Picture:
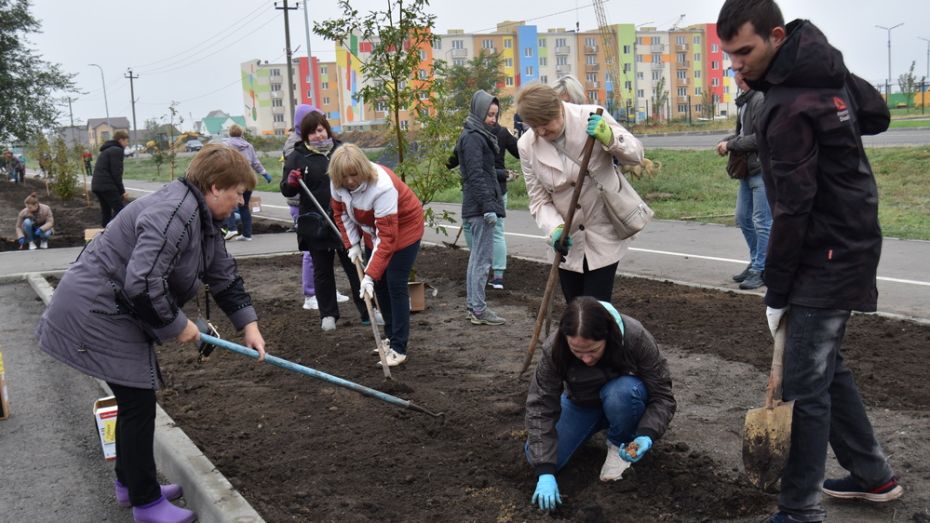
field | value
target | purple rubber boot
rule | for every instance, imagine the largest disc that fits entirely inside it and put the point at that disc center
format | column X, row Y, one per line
column 162, row 511
column 170, row 491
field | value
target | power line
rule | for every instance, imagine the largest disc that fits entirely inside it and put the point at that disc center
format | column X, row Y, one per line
column 574, row 9
column 199, row 58
column 194, row 47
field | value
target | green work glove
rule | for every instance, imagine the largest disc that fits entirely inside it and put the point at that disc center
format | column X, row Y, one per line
column 555, row 238
column 598, row 128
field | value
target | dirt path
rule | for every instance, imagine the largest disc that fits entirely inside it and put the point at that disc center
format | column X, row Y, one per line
column 300, row 449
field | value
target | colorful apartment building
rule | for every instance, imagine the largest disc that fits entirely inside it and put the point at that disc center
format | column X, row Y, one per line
column 688, row 65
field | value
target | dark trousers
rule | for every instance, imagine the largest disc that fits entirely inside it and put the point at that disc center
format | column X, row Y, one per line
column 111, row 202
column 245, row 216
column 597, row 283
column 324, row 281
column 135, row 435
column 394, row 297
column 827, row 409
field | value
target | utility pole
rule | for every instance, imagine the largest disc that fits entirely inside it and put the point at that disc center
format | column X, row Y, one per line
column 311, row 84
column 923, row 83
column 132, row 96
column 888, row 83
column 290, row 72
column 71, row 115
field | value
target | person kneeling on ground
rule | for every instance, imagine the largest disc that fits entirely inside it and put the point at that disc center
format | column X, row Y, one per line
column 600, row 370
column 125, row 293
column 369, row 201
column 34, row 224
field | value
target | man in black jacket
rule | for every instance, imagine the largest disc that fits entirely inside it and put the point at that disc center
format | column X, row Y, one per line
column 824, row 245
column 107, row 182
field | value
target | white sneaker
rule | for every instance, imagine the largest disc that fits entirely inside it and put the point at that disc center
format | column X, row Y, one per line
column 340, row 297
column 44, row 244
column 614, row 465
column 328, row 323
column 394, row 358
column 386, row 343
column 231, row 234
column 32, row 246
column 310, row 303
column 244, row 239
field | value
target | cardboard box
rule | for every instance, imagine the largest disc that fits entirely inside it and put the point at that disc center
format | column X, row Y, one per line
column 90, row 233
column 255, row 204
column 105, row 415
column 417, row 291
column 4, row 396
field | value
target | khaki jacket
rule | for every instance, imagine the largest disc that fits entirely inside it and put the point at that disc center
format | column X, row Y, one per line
column 550, row 179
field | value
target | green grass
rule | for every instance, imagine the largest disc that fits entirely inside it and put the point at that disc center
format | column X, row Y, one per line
column 694, row 185
column 898, row 124
column 144, row 169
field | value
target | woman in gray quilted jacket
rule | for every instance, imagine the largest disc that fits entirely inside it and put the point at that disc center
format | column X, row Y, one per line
column 125, row 293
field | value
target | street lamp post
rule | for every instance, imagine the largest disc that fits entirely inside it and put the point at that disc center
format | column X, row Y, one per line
column 888, row 83
column 106, row 105
column 923, row 84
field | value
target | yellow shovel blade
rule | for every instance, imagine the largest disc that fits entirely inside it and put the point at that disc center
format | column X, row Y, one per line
column 766, row 443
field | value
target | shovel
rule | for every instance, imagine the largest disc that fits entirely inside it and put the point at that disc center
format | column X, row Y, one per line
column 767, row 431
column 313, row 373
column 454, row 243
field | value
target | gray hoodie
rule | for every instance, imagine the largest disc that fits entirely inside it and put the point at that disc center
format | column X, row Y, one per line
column 248, row 151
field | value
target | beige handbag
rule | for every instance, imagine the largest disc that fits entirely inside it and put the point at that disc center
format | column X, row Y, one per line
column 626, row 210
column 628, row 213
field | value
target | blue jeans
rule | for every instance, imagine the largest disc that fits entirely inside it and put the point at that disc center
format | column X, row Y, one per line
column 754, row 218
column 245, row 216
column 33, row 232
column 827, row 409
column 499, row 261
column 479, row 261
column 623, row 401
column 394, row 297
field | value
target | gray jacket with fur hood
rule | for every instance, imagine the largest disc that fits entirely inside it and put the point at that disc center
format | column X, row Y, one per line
column 126, row 290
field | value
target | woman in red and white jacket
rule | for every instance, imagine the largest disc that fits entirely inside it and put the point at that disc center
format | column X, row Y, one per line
column 369, row 201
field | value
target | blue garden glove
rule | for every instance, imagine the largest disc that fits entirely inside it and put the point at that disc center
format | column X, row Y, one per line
column 490, row 218
column 598, row 128
column 21, row 241
column 555, row 237
column 267, row 177
column 547, row 495
column 635, row 450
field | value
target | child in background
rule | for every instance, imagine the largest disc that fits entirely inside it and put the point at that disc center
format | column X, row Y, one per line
column 34, row 224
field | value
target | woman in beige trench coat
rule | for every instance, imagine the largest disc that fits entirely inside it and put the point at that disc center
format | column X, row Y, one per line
column 550, row 154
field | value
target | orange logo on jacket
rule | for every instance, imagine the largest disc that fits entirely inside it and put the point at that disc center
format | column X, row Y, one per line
column 842, row 112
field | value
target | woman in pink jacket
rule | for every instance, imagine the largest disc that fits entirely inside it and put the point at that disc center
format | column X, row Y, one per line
column 550, row 154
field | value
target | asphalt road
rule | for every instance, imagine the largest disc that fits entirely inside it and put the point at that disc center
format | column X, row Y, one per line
column 891, row 138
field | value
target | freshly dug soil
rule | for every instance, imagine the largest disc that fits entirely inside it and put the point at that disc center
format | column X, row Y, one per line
column 305, row 450
column 71, row 217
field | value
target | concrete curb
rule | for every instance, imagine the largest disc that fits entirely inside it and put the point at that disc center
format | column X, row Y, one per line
column 206, row 491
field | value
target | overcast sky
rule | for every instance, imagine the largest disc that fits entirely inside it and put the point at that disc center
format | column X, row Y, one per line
column 190, row 51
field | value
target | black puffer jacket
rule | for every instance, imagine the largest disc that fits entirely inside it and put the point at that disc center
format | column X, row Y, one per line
column 108, row 171
column 314, row 166
column 825, row 240
column 506, row 143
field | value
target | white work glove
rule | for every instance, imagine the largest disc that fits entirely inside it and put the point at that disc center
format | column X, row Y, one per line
column 774, row 317
column 355, row 253
column 367, row 288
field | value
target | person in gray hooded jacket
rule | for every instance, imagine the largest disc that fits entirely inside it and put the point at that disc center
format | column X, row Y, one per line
column 125, row 292
column 482, row 200
column 236, row 141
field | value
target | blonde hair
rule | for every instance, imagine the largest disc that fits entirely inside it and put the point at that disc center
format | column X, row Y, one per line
column 220, row 165
column 569, row 89
column 235, row 131
column 350, row 159
column 538, row 104
column 32, row 199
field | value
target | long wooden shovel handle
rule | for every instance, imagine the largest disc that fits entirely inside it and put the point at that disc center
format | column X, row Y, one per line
column 566, row 230
column 773, row 391
column 374, row 324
